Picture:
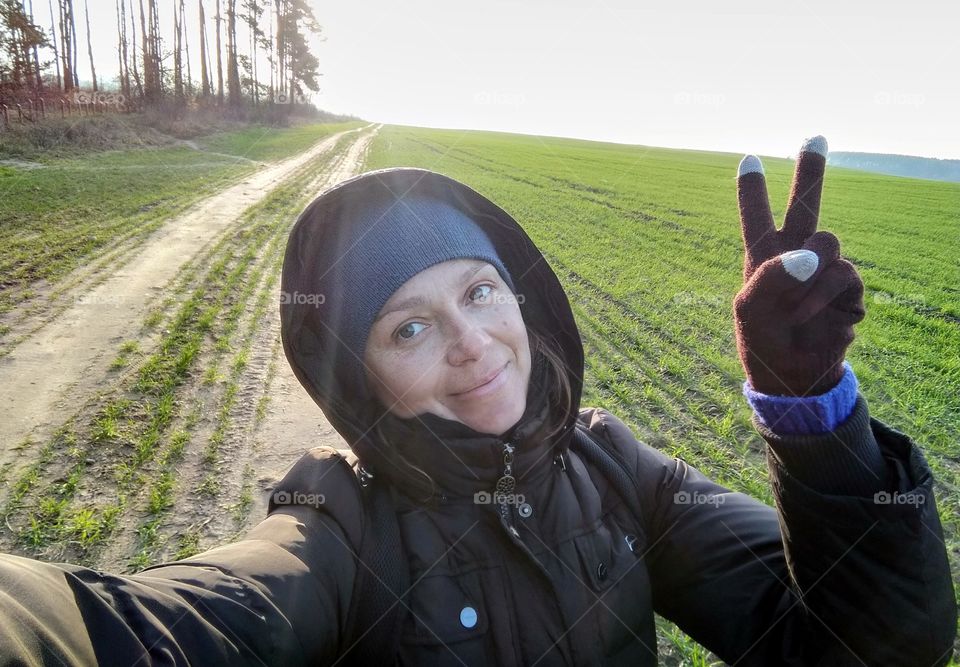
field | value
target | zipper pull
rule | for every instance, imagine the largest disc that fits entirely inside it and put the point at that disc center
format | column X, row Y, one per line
column 507, row 483
column 505, row 486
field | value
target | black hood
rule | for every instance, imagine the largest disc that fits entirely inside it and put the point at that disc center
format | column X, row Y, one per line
column 308, row 329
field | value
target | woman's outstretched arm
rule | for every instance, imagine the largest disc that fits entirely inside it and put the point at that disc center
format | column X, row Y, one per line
column 277, row 597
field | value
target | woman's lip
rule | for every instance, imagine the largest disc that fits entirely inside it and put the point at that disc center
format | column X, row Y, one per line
column 487, row 387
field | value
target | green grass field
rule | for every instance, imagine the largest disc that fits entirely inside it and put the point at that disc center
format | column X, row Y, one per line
column 647, row 243
column 645, row 240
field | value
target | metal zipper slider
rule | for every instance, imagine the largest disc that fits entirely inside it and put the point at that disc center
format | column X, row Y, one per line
column 507, row 483
column 505, row 486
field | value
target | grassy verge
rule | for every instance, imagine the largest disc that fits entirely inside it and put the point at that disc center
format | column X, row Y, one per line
column 62, row 216
column 269, row 143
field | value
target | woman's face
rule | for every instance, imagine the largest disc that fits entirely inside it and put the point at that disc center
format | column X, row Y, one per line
column 447, row 330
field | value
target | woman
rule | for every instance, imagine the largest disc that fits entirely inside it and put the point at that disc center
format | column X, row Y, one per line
column 440, row 344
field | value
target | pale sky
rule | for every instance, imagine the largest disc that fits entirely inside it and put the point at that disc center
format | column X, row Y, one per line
column 740, row 76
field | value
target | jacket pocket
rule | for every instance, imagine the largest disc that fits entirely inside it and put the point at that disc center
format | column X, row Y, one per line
column 604, row 557
column 617, row 576
column 447, row 622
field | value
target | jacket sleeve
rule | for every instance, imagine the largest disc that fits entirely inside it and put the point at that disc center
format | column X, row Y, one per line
column 824, row 579
column 279, row 596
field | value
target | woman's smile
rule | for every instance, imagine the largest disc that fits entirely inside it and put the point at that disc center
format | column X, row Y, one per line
column 486, row 388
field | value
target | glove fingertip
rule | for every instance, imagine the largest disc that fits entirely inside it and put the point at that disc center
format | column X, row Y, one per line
column 817, row 144
column 750, row 164
column 800, row 264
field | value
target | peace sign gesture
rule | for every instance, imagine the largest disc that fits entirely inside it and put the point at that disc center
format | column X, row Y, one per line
column 795, row 313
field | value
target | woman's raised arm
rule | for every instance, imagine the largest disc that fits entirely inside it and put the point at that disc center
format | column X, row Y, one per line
column 824, row 579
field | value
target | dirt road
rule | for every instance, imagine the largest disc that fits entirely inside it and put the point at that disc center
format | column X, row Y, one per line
column 69, row 356
column 66, row 361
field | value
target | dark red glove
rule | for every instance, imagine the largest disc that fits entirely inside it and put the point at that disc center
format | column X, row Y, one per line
column 795, row 313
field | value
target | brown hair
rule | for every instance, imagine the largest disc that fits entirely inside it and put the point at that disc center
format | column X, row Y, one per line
column 558, row 381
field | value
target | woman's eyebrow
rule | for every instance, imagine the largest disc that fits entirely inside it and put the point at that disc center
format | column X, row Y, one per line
column 469, row 272
column 419, row 300
column 400, row 305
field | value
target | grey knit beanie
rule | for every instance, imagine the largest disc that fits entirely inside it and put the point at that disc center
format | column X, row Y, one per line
column 385, row 243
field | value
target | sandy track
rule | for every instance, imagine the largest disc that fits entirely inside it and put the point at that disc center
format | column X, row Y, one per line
column 65, row 361
column 293, row 422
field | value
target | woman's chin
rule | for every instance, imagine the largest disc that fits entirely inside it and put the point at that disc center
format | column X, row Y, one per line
column 493, row 413
column 495, row 419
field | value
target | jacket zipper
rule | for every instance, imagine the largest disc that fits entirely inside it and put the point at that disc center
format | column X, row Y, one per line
column 505, row 487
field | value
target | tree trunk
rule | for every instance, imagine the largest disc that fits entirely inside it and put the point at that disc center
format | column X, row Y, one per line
column 133, row 50
column 219, row 60
column 254, row 32
column 36, row 56
column 66, row 50
column 177, row 46
column 150, row 34
column 120, row 45
column 281, row 49
column 74, row 42
column 56, row 50
column 122, row 48
column 270, row 57
column 147, row 91
column 204, row 77
column 93, row 70
column 233, row 73
column 186, row 49
column 157, row 60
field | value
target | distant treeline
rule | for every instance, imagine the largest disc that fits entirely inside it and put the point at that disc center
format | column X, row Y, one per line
column 38, row 60
column 929, row 168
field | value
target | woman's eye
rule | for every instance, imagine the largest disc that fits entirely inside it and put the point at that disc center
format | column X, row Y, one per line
column 408, row 332
column 407, row 327
column 480, row 287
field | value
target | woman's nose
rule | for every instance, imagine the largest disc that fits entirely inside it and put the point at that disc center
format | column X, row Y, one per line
column 469, row 343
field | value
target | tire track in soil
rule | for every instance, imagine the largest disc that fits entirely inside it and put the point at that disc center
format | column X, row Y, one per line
column 292, row 424
column 67, row 359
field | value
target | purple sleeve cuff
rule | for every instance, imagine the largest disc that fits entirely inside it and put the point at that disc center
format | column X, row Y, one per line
column 791, row 415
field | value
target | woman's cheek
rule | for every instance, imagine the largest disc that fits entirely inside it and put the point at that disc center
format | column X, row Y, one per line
column 424, row 361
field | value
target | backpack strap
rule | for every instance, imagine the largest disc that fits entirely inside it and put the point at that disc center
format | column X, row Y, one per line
column 609, row 462
column 373, row 623
column 382, row 582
